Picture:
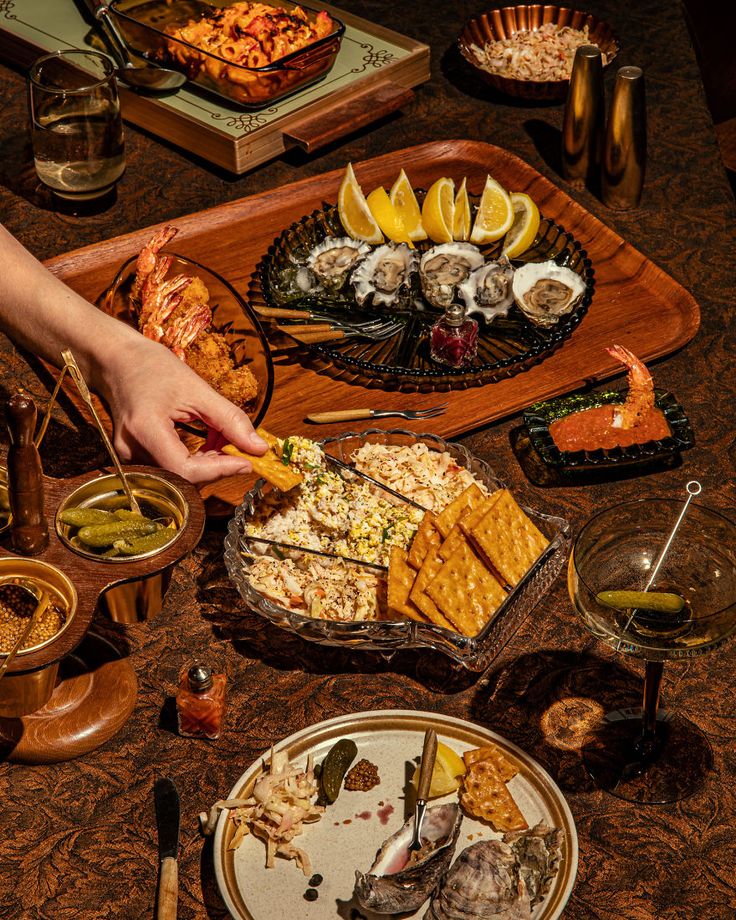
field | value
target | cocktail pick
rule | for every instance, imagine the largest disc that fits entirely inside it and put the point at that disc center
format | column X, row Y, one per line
column 49, row 408
column 692, row 488
column 76, row 375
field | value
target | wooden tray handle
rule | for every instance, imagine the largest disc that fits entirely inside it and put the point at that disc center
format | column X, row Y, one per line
column 331, row 122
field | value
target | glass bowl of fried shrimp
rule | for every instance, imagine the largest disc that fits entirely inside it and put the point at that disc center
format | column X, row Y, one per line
column 229, row 351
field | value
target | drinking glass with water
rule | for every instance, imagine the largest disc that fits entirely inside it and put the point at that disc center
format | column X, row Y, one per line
column 77, row 131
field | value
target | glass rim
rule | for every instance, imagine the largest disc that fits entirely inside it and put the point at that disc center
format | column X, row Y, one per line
column 641, row 501
column 105, row 59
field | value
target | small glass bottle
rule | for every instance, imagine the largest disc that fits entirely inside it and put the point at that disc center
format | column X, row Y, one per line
column 200, row 703
column 454, row 339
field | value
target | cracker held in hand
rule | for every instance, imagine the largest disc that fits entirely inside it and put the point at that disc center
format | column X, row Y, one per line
column 486, row 797
column 508, row 540
column 465, row 502
column 466, row 592
column 425, row 539
column 401, row 578
column 270, row 465
column 492, row 753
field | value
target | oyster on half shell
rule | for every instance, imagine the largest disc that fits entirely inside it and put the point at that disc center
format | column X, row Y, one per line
column 443, row 268
column 332, row 260
column 488, row 290
column 545, row 291
column 383, row 278
column 395, row 883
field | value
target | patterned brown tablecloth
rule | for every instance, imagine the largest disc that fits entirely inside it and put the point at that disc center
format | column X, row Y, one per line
column 78, row 839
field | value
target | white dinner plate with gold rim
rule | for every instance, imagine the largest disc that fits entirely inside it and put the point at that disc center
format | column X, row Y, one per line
column 351, row 831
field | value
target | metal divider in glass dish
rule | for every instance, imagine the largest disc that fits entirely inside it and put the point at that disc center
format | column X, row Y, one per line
column 539, row 417
column 231, row 317
column 506, row 346
column 473, row 652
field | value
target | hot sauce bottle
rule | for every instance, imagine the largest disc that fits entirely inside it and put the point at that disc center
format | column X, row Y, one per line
column 454, row 338
column 200, row 703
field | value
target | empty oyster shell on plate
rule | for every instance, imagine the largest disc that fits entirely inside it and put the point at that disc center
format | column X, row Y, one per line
column 399, row 881
column 488, row 289
column 545, row 291
column 384, row 276
column 443, row 268
column 332, row 260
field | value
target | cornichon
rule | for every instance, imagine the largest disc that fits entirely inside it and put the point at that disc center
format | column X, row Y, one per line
column 335, row 766
column 661, row 601
column 145, row 544
column 107, row 534
column 85, row 517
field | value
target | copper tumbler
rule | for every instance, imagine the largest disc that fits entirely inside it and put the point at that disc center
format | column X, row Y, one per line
column 625, row 151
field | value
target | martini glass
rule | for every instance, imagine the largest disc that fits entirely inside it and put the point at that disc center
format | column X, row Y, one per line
column 647, row 754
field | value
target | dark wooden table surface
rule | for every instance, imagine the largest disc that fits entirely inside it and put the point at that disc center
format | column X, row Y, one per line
column 78, row 839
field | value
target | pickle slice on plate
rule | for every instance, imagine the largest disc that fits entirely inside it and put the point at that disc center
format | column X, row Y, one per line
column 335, row 766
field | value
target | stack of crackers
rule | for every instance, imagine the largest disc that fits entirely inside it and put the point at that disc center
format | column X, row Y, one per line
column 484, row 794
column 463, row 562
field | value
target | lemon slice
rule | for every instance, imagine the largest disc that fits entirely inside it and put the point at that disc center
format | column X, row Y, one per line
column 495, row 214
column 448, row 768
column 354, row 212
column 461, row 221
column 387, row 217
column 524, row 228
column 405, row 201
column 438, row 211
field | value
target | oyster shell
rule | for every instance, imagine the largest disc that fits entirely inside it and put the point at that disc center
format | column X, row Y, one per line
column 392, row 885
column 538, row 852
column 488, row 289
column 294, row 282
column 545, row 291
column 332, row 260
column 442, row 268
column 383, row 278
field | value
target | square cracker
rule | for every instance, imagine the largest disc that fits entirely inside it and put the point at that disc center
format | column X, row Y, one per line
column 505, row 769
column 507, row 539
column 426, row 538
column 464, row 503
column 418, row 596
column 466, row 592
column 401, row 577
column 485, row 796
column 456, row 536
column 270, row 465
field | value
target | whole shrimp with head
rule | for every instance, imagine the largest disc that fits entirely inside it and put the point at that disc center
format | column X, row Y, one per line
column 176, row 311
column 636, row 420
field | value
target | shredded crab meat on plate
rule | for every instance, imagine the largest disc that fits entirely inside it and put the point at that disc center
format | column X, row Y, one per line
column 542, row 54
column 281, row 803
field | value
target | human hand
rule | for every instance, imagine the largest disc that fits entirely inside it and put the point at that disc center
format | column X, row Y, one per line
column 148, row 389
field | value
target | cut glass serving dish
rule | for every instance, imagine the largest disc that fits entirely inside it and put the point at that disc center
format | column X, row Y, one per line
column 539, row 417
column 474, row 652
column 506, row 345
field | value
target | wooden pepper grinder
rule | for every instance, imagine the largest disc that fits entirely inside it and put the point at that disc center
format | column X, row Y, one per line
column 29, row 530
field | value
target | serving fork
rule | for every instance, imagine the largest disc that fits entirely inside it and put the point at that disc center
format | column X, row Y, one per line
column 356, row 415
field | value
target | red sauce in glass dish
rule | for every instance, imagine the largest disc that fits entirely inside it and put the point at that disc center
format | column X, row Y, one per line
column 592, row 429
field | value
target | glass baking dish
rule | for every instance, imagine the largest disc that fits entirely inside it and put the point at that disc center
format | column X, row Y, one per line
column 143, row 24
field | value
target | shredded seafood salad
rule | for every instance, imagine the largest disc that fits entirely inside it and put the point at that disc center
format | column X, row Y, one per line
column 542, row 54
column 333, row 511
column 282, row 802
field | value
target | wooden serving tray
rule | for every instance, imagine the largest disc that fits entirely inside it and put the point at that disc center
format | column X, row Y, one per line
column 635, row 304
column 372, row 77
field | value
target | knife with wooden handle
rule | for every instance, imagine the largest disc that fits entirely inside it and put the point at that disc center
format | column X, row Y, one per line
column 166, row 798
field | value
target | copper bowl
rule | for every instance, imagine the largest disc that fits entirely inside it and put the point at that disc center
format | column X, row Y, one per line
column 507, row 21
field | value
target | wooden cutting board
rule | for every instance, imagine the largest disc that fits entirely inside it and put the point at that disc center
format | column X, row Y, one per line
column 636, row 303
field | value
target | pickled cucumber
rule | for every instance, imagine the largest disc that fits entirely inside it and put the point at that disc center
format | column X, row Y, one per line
column 85, row 517
column 101, row 535
column 335, row 766
column 156, row 540
column 661, row 601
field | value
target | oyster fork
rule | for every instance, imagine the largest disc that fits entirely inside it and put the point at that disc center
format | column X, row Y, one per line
column 356, row 415
column 377, row 330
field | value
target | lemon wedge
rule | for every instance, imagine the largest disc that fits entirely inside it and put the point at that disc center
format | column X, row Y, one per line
column 354, row 212
column 387, row 216
column 405, row 201
column 438, row 211
column 495, row 214
column 524, row 228
column 461, row 221
column 448, row 768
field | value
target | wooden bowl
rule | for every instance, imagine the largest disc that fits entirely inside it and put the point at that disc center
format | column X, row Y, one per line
column 507, row 21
